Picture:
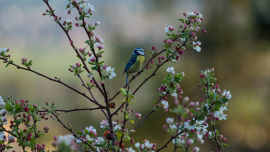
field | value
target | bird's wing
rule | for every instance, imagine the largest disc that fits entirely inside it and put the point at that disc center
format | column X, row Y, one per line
column 131, row 61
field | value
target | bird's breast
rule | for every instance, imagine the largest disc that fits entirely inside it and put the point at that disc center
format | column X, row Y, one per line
column 137, row 65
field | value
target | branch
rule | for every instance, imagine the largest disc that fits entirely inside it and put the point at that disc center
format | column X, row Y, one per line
column 66, row 111
column 116, row 111
column 89, row 89
column 84, row 65
column 73, row 132
column 137, row 73
column 218, row 146
column 156, row 68
column 58, row 81
column 165, row 146
column 125, row 120
column 35, row 121
column 149, row 112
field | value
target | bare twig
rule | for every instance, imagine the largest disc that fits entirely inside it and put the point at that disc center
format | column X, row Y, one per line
column 66, row 111
column 58, row 81
column 164, row 146
column 70, row 130
column 125, row 120
column 89, row 89
column 218, row 146
column 68, row 36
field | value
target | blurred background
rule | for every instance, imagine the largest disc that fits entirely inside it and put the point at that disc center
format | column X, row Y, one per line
column 236, row 45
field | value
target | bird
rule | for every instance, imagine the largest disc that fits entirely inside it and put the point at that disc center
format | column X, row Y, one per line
column 134, row 63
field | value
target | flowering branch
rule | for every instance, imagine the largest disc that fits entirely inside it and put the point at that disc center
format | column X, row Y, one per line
column 125, row 119
column 165, row 146
column 66, row 111
column 70, row 130
column 88, row 88
column 58, row 81
column 218, row 146
column 71, row 42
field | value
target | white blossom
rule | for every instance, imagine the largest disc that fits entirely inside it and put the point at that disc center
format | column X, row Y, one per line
column 190, row 13
column 69, row 20
column 2, row 134
column 130, row 149
column 91, row 128
column 2, row 103
column 220, row 115
column 188, row 126
column 90, row 75
column 99, row 140
column 227, row 94
column 165, row 104
column 103, row 124
column 196, row 149
column 169, row 120
column 170, row 70
column 110, row 72
column 196, row 46
column 148, row 145
column 137, row 145
column 11, row 138
column 3, row 50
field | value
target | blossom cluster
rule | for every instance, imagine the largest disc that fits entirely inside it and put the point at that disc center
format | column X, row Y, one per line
column 185, row 36
column 170, row 87
column 146, row 146
column 193, row 119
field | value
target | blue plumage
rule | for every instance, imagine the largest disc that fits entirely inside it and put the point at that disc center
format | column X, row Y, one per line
column 134, row 63
column 131, row 61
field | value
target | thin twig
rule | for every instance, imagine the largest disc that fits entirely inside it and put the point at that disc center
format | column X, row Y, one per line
column 89, row 89
column 148, row 64
column 54, row 80
column 70, row 130
column 164, row 146
column 218, row 146
column 68, row 36
column 125, row 120
column 35, row 131
column 137, row 73
column 66, row 111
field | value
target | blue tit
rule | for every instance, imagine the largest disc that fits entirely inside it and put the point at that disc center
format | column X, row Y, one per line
column 134, row 64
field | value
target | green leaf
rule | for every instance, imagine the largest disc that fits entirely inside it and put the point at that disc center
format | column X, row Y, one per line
column 218, row 104
column 192, row 110
column 224, row 100
column 87, row 41
column 119, row 135
column 18, row 108
column 8, row 147
column 95, row 68
column 81, row 17
column 178, row 75
column 7, row 64
column 201, row 117
column 225, row 145
column 9, row 107
column 182, row 20
column 124, row 91
column 126, row 139
column 132, row 121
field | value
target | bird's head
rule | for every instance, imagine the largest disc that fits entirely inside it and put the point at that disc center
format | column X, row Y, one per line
column 139, row 51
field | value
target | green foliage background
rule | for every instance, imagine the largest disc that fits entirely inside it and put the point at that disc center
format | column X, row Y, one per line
column 236, row 44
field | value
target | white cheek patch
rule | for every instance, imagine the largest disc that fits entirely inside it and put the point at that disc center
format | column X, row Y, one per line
column 141, row 52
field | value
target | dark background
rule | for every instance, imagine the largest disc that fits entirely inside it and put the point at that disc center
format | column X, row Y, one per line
column 236, row 45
